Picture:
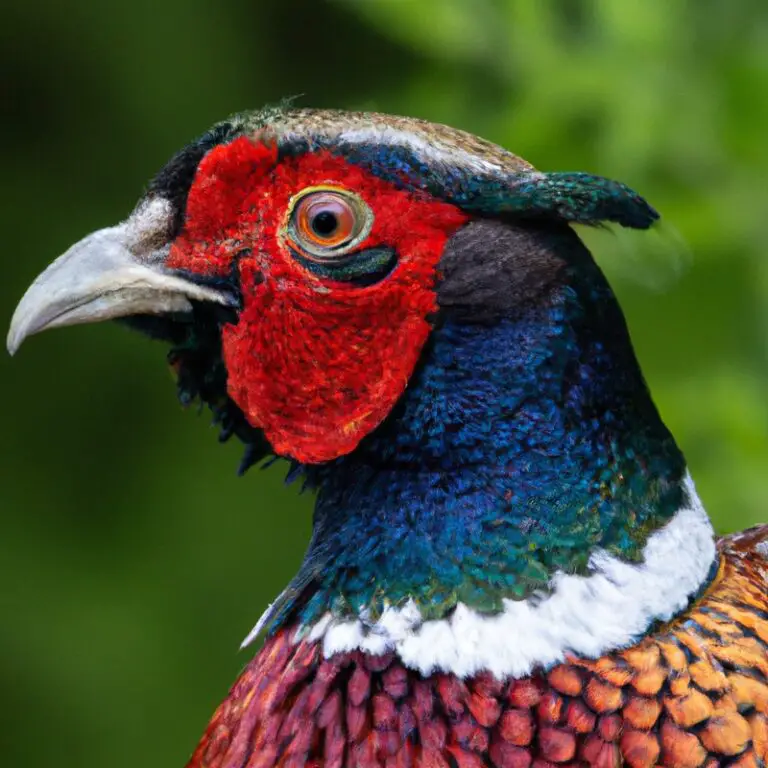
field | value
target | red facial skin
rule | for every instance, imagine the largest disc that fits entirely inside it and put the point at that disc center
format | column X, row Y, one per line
column 315, row 363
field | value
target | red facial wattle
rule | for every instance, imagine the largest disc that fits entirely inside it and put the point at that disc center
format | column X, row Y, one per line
column 314, row 362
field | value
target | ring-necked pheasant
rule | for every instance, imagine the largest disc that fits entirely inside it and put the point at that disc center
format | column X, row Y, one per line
column 510, row 565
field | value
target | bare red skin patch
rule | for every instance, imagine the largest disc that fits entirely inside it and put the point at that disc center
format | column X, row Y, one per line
column 315, row 363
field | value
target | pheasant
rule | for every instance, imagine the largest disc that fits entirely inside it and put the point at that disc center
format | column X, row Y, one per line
column 509, row 564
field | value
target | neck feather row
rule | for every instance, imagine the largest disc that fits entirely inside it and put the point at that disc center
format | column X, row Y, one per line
column 610, row 608
column 525, row 461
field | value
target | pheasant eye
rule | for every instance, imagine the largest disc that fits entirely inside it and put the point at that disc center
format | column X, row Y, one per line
column 327, row 223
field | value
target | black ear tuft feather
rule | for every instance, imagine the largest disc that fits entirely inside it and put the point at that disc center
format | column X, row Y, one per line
column 587, row 199
column 581, row 198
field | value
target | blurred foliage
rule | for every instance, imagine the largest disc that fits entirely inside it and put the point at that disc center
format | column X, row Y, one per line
column 131, row 559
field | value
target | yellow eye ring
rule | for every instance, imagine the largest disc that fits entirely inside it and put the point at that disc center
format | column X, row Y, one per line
column 326, row 222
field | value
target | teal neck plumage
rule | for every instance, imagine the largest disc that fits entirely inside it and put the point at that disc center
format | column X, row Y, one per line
column 521, row 447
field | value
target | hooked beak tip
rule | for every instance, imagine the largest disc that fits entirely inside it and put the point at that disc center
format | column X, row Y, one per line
column 13, row 342
column 24, row 323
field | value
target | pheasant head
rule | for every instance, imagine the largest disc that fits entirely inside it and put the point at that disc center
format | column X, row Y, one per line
column 404, row 312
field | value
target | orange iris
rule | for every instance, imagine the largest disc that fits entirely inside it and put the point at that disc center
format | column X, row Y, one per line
column 325, row 219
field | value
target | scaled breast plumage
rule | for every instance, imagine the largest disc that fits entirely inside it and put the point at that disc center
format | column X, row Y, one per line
column 692, row 693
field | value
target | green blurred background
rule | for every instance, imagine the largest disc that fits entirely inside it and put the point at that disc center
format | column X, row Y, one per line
column 132, row 560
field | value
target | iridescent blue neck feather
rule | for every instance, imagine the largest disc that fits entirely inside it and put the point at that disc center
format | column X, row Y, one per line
column 524, row 442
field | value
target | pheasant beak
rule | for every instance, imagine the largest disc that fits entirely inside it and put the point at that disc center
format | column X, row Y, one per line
column 111, row 273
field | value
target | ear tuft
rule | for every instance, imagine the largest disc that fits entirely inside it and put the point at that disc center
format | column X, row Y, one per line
column 574, row 197
column 587, row 199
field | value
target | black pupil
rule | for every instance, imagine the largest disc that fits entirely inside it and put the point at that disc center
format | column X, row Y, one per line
column 325, row 223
